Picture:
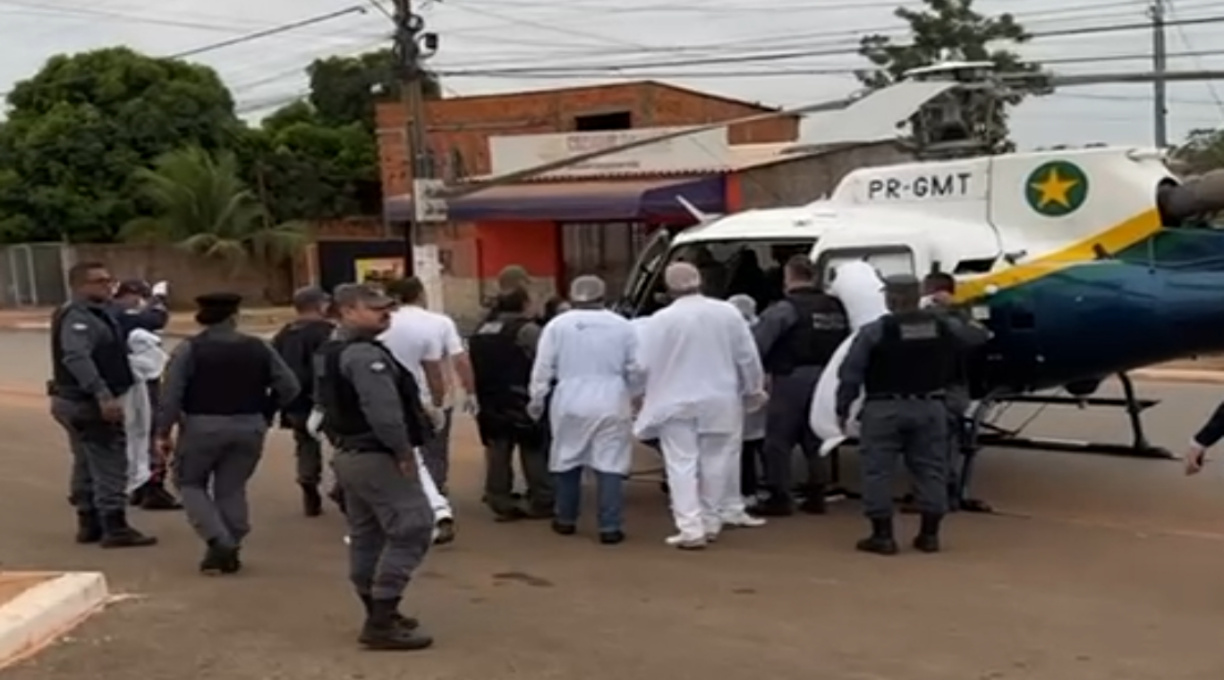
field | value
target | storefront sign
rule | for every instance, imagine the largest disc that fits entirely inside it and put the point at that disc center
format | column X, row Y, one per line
column 697, row 151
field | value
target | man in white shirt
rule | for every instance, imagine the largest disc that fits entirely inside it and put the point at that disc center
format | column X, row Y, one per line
column 428, row 345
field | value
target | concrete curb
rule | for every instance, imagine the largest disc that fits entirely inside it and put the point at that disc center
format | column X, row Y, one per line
column 36, row 618
column 1177, row 375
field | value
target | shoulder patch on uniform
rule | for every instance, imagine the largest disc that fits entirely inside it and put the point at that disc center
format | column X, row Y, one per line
column 378, row 366
column 919, row 330
column 80, row 327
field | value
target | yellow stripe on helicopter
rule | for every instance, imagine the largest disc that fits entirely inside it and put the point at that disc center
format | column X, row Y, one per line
column 1118, row 237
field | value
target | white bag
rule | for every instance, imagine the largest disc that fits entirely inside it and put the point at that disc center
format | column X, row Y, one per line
column 861, row 291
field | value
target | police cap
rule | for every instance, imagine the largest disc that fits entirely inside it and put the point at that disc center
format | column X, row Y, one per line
column 354, row 294
column 219, row 302
column 902, row 284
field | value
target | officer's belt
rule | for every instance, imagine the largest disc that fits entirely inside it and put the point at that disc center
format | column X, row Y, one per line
column 887, row 396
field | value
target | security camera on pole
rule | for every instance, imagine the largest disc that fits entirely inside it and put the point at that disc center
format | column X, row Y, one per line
column 412, row 47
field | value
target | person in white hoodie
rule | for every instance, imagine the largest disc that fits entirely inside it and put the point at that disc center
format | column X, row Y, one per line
column 148, row 361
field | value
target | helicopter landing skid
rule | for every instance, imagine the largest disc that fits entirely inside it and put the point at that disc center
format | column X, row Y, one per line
column 984, row 432
column 989, row 433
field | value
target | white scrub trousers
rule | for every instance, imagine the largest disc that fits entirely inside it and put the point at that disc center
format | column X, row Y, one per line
column 702, row 477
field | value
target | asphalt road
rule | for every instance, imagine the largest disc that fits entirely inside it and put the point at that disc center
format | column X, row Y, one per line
column 1097, row 568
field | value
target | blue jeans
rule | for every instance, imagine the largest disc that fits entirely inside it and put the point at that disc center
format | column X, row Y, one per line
column 609, row 489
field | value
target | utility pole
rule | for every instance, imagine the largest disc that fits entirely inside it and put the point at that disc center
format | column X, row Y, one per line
column 412, row 47
column 1160, row 110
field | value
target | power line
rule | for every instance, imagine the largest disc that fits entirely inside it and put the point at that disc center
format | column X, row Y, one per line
column 1181, row 31
column 759, row 73
column 797, row 54
column 257, row 35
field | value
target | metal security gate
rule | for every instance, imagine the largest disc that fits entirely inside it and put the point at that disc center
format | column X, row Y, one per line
column 35, row 274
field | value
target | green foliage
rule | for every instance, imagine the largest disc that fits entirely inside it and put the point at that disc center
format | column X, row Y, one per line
column 1202, row 151
column 201, row 203
column 82, row 133
column 949, row 30
column 84, row 123
column 343, row 90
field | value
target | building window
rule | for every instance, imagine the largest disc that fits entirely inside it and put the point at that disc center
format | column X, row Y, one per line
column 619, row 120
column 606, row 249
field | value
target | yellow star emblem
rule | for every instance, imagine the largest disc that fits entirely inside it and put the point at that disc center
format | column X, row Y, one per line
column 1054, row 189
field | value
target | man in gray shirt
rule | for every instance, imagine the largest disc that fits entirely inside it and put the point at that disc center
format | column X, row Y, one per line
column 373, row 417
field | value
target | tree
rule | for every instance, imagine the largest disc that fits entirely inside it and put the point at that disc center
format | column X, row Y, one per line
column 343, row 90
column 1202, row 152
column 202, row 204
column 84, row 123
column 950, row 30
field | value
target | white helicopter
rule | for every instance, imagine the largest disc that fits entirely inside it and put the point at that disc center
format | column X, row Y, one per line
column 1084, row 263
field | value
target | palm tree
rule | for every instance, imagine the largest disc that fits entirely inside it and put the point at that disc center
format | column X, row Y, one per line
column 203, row 206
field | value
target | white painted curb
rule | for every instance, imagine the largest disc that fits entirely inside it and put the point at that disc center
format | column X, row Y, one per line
column 35, row 618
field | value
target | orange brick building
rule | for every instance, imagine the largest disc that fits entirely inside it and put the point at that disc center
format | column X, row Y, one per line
column 591, row 217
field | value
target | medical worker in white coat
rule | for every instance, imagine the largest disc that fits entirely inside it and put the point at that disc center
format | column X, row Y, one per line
column 148, row 360
column 702, row 372
column 590, row 353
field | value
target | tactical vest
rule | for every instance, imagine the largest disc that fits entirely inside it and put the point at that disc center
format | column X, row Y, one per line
column 110, row 357
column 230, row 376
column 502, row 368
column 297, row 344
column 344, row 422
column 916, row 356
column 820, row 327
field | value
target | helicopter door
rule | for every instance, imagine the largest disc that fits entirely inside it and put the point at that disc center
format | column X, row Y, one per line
column 642, row 276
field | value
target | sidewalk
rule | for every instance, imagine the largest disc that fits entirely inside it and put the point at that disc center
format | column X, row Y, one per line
column 261, row 321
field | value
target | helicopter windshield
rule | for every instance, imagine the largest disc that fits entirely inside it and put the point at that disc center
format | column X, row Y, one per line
column 753, row 268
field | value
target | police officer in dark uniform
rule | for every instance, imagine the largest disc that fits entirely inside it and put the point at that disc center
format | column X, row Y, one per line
column 502, row 352
column 217, row 393
column 796, row 338
column 297, row 342
column 373, row 416
column 905, row 362
column 90, row 372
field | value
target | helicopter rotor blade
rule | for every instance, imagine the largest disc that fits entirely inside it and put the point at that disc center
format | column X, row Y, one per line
column 458, row 191
column 1049, row 80
column 884, row 107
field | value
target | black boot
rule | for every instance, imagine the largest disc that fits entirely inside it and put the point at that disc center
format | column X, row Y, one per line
column 881, row 540
column 405, row 622
column 385, row 629
column 814, row 502
column 611, row 537
column 137, row 497
column 219, row 559
column 89, row 527
column 156, row 498
column 927, row 540
column 116, row 533
column 312, row 502
column 777, row 504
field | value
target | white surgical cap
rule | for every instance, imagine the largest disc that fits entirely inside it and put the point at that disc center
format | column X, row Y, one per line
column 745, row 304
column 587, row 289
column 682, row 277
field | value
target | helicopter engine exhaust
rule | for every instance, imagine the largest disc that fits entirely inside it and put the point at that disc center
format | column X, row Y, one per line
column 1202, row 195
